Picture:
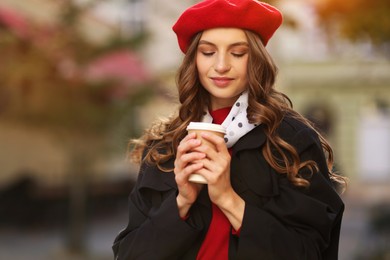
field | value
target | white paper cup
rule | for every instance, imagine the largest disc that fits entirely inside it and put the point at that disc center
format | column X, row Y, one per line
column 199, row 127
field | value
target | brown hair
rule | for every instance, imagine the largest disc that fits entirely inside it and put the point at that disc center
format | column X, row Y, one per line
column 266, row 106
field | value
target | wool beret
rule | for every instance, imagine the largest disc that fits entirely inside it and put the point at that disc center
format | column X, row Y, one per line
column 253, row 15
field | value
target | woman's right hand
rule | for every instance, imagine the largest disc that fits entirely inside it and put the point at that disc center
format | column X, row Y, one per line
column 187, row 162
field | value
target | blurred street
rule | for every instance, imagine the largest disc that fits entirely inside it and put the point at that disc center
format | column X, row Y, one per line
column 361, row 236
column 358, row 241
column 50, row 243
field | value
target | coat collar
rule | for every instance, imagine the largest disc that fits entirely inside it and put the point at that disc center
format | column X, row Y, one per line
column 253, row 139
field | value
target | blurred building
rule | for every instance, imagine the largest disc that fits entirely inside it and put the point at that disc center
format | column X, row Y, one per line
column 46, row 12
column 19, row 143
column 342, row 86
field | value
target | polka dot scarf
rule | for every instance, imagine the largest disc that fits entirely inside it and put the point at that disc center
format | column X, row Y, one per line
column 236, row 123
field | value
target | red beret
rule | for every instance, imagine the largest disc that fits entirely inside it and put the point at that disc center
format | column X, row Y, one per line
column 252, row 15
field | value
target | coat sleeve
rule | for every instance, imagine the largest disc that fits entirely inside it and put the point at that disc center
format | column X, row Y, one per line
column 295, row 223
column 155, row 229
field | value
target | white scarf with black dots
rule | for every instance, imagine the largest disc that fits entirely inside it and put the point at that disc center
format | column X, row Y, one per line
column 236, row 123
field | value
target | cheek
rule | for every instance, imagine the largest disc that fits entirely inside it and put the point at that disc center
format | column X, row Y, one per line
column 243, row 67
column 201, row 66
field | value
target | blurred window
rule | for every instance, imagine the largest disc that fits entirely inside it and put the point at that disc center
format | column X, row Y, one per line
column 374, row 144
column 134, row 22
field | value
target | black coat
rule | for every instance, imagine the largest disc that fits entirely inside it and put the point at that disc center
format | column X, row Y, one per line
column 281, row 221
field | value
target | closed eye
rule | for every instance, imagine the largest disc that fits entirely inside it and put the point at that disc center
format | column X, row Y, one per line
column 208, row 53
column 239, row 55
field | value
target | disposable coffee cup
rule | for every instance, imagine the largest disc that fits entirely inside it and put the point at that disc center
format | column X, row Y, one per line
column 199, row 127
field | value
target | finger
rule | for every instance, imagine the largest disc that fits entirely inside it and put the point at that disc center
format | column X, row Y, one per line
column 213, row 173
column 189, row 136
column 204, row 172
column 188, row 158
column 184, row 159
column 210, row 151
column 192, row 157
column 208, row 164
column 187, row 146
column 216, row 168
column 218, row 141
column 182, row 177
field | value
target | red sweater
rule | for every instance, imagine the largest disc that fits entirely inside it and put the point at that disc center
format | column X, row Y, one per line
column 216, row 244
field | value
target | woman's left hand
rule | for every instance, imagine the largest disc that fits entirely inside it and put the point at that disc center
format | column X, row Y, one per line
column 216, row 169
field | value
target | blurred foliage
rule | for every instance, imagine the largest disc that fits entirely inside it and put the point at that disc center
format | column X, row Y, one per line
column 288, row 21
column 358, row 19
column 43, row 81
column 118, row 42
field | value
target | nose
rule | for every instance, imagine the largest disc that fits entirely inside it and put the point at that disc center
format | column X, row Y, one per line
column 222, row 64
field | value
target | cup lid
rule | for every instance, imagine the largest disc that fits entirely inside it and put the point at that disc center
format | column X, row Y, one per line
column 206, row 126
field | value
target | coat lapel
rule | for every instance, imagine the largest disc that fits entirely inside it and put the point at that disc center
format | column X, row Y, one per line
column 249, row 169
column 253, row 139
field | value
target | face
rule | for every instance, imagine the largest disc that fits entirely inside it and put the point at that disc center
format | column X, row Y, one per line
column 221, row 60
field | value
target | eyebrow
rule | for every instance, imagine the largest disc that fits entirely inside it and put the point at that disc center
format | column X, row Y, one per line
column 230, row 46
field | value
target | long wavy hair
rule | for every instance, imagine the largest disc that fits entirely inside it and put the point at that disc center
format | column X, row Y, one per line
column 266, row 105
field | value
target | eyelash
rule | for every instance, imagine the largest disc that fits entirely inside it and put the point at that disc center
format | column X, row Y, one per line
column 208, row 54
column 236, row 55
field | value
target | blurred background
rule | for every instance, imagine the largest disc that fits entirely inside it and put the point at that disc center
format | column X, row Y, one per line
column 79, row 78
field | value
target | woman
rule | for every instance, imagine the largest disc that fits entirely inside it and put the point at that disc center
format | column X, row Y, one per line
column 270, row 191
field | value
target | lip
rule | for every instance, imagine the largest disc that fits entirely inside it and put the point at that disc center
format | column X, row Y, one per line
column 221, row 81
